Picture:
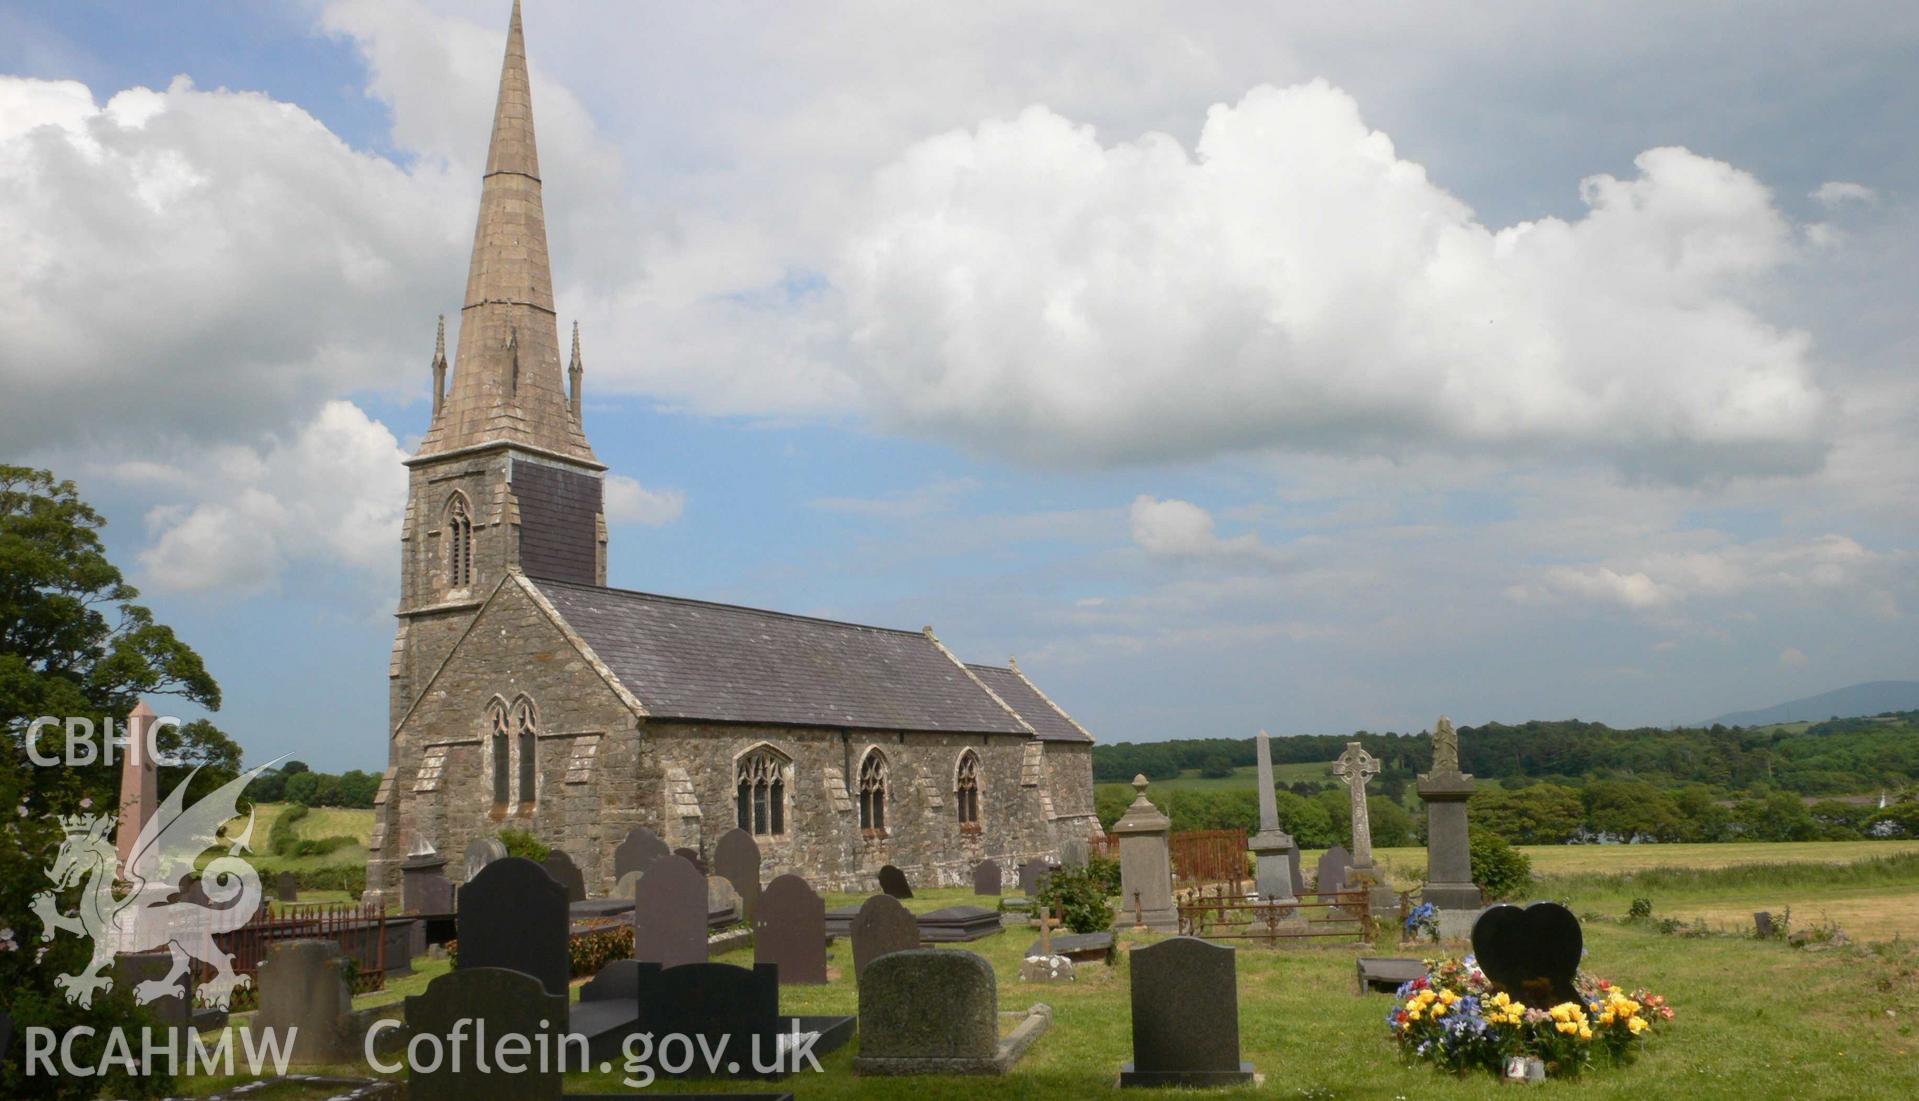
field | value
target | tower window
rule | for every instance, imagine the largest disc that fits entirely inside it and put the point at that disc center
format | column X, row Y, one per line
column 526, row 728
column 873, row 793
column 762, row 793
column 966, row 790
column 459, row 543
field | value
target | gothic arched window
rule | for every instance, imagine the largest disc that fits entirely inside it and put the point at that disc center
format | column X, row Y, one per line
column 873, row 793
column 459, row 543
column 526, row 725
column 497, row 744
column 761, row 780
column 966, row 790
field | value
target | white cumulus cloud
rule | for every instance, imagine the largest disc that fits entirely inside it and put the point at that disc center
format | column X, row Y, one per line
column 1173, row 528
column 1294, row 283
column 626, row 501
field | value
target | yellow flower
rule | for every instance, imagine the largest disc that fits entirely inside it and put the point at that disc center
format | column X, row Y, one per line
column 1412, row 1013
column 1566, row 1026
column 1585, row 1033
column 1438, row 1012
column 1637, row 1025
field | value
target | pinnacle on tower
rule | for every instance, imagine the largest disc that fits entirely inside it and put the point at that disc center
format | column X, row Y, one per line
column 439, row 367
column 574, row 371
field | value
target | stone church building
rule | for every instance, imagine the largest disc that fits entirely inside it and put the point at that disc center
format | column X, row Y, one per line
column 528, row 694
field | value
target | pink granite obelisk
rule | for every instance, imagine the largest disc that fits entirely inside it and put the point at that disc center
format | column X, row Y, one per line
column 139, row 781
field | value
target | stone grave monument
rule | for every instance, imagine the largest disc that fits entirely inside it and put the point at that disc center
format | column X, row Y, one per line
column 1356, row 767
column 424, row 888
column 638, row 852
column 480, row 852
column 1032, row 876
column 935, row 1011
column 986, row 878
column 789, row 931
column 736, row 856
column 1449, row 860
column 567, row 874
column 715, row 1003
column 694, row 858
column 1531, row 954
column 1146, row 863
column 1331, row 873
column 882, row 926
column 306, row 1000
column 286, row 887
column 893, row 882
column 1185, row 1016
column 139, row 782
column 1274, row 854
column 669, row 914
column 513, row 915
column 504, row 1002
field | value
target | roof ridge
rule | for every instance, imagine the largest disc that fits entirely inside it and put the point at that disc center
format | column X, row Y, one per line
column 729, row 607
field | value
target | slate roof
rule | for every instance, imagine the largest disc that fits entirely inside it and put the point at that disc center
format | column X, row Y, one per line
column 689, row 659
column 1047, row 720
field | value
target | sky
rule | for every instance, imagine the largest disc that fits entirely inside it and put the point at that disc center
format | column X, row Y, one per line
column 1308, row 367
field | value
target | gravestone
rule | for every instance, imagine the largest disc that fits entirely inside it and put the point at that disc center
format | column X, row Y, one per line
column 638, row 852
column 1762, row 926
column 986, row 878
column 1146, row 862
column 721, row 899
column 513, row 915
column 286, row 887
column 1185, row 1016
column 1274, row 853
column 1332, row 870
column 1073, row 851
column 608, row 1010
column 306, row 1001
column 1385, row 974
column 693, row 857
column 709, row 1004
column 424, row 888
column 480, row 852
column 951, row 924
column 928, row 1011
column 893, row 882
column 789, row 931
column 172, row 1013
column 669, row 914
column 628, row 883
column 1445, row 791
column 502, row 1002
column 1032, row 876
column 737, row 857
column 567, row 874
column 1299, row 881
column 1531, row 954
column 882, row 926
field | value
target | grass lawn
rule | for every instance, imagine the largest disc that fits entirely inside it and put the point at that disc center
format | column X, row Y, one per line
column 1757, row 1019
column 319, row 822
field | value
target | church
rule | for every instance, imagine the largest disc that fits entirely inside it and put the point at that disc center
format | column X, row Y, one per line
column 527, row 694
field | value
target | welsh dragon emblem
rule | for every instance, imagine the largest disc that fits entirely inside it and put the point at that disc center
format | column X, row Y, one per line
column 142, row 912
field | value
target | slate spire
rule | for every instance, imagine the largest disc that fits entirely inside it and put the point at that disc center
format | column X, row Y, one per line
column 507, row 381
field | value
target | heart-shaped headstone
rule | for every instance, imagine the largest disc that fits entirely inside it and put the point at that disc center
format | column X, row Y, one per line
column 1531, row 954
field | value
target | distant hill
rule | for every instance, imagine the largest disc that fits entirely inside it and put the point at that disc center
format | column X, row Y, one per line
column 1870, row 698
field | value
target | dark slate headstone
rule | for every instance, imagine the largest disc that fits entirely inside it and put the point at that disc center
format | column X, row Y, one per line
column 986, row 878
column 893, row 882
column 928, row 1011
column 882, row 926
column 502, row 1002
column 1032, row 875
column 567, row 874
column 171, row 1011
column 1299, row 881
column 953, row 924
column 736, row 858
column 638, row 852
column 1185, row 1016
column 513, row 915
column 1332, row 870
column 305, row 997
column 1078, row 947
column 1386, row 974
column 1762, row 926
column 1531, row 954
column 480, row 852
column 608, row 1010
column 789, row 931
column 424, row 889
column 669, row 914
column 693, row 857
column 716, row 1003
column 286, row 887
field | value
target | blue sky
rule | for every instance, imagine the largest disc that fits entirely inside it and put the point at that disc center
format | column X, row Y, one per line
column 1235, row 370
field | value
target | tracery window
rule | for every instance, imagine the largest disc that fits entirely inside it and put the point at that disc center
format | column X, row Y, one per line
column 526, row 725
column 966, row 790
column 459, row 543
column 761, row 778
column 497, row 743
column 873, row 793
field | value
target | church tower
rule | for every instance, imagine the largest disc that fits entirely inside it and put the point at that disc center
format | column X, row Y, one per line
column 504, row 477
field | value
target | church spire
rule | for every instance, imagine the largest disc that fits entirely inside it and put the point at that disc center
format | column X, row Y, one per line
column 507, row 381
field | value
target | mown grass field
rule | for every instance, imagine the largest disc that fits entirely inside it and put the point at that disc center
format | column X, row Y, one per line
column 319, row 822
column 1756, row 1019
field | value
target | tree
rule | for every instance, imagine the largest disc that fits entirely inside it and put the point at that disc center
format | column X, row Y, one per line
column 1306, row 820
column 1541, row 814
column 1391, row 823
column 73, row 644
